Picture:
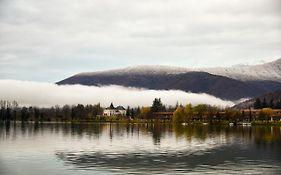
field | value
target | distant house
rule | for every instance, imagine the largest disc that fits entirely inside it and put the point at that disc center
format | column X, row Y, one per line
column 111, row 111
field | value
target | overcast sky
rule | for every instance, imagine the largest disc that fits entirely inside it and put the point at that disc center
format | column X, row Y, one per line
column 53, row 39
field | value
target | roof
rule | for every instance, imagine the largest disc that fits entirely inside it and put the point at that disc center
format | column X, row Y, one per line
column 120, row 108
column 117, row 108
column 111, row 106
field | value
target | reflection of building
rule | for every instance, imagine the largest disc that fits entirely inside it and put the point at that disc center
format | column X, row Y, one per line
column 111, row 110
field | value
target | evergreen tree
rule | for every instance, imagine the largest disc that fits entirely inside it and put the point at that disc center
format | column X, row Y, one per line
column 271, row 104
column 257, row 104
column 138, row 110
column 264, row 103
column 157, row 105
column 278, row 104
column 128, row 111
column 250, row 114
column 132, row 112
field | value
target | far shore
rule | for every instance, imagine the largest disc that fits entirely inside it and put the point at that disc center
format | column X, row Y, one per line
column 194, row 123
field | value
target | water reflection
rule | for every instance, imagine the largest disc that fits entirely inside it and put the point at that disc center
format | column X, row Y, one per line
column 154, row 148
column 239, row 148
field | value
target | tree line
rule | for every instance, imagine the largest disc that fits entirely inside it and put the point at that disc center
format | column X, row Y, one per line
column 10, row 111
column 260, row 104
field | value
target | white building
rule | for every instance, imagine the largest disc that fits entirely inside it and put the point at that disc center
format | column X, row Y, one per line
column 111, row 111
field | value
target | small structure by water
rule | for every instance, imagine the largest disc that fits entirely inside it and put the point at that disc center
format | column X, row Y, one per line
column 112, row 111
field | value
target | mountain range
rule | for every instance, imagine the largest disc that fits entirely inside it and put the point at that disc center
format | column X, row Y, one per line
column 229, row 83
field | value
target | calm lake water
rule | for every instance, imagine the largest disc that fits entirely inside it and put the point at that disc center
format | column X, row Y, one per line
column 138, row 149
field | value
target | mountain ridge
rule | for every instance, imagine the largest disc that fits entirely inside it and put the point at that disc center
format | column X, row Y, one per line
column 247, row 83
column 270, row 71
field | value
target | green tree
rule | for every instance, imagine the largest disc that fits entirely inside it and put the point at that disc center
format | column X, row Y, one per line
column 250, row 114
column 157, row 105
column 264, row 103
column 257, row 104
column 278, row 104
column 200, row 110
column 24, row 114
column 271, row 104
column 128, row 111
column 66, row 110
column 132, row 112
column 212, row 112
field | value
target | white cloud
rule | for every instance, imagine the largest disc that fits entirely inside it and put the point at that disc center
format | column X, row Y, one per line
column 47, row 94
column 75, row 36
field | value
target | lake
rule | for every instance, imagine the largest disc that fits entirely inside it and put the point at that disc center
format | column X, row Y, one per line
column 73, row 149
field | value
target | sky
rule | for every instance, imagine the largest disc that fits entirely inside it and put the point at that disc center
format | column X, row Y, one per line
column 50, row 40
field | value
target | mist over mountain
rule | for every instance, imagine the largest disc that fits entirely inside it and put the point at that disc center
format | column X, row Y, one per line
column 232, row 83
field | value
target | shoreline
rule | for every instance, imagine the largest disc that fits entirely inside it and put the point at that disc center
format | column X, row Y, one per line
column 196, row 123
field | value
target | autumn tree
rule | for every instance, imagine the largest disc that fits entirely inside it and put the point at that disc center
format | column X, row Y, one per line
column 146, row 113
column 232, row 114
column 178, row 116
column 265, row 114
column 188, row 113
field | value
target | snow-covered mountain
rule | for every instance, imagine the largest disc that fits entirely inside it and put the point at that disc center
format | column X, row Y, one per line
column 141, row 69
column 231, row 83
column 268, row 71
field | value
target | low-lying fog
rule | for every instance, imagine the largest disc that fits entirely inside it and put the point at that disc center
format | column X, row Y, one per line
column 48, row 94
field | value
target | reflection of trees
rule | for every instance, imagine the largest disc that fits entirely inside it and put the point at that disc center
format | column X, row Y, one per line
column 261, row 135
column 31, row 130
column 157, row 129
column 146, row 161
column 165, row 161
column 190, row 131
column 267, row 136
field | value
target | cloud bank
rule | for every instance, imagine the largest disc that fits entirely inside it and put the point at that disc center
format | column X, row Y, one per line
column 48, row 94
